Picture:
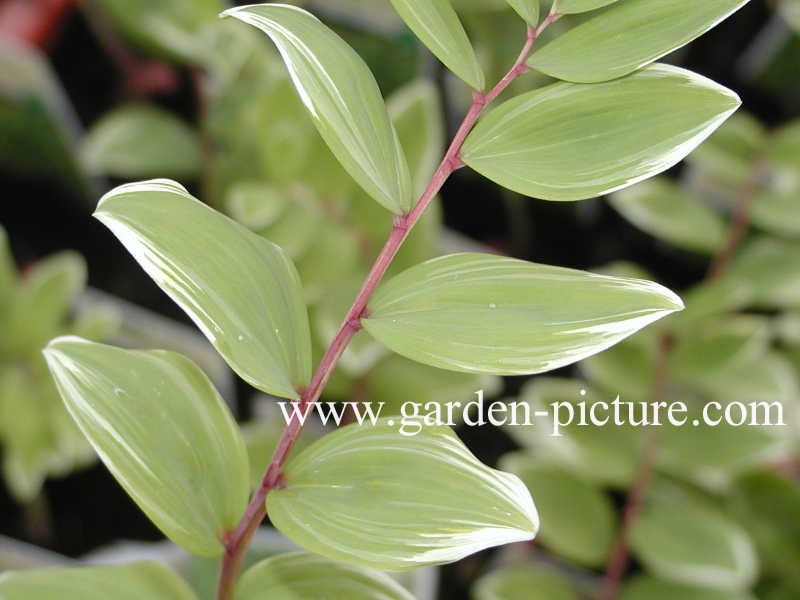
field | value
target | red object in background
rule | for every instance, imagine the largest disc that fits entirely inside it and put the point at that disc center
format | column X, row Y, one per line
column 33, row 21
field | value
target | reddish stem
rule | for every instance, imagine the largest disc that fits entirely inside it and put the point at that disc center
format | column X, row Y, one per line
column 236, row 543
column 740, row 221
column 618, row 560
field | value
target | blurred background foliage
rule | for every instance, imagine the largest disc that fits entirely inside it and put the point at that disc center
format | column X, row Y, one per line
column 96, row 92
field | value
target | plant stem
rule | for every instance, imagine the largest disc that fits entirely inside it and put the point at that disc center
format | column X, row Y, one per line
column 236, row 543
column 618, row 559
column 740, row 221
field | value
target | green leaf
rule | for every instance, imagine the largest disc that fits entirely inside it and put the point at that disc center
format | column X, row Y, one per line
column 37, row 310
column 142, row 141
column 417, row 114
column 169, row 29
column 570, row 7
column 627, row 369
column 524, row 583
column 300, row 575
column 528, row 10
column 396, row 379
column 649, row 588
column 604, row 455
column 768, row 506
column 686, row 542
column 663, row 209
column 352, row 495
column 128, row 582
column 163, row 431
column 627, row 36
column 770, row 270
column 343, row 98
column 488, row 314
column 728, row 155
column 436, row 24
column 782, row 157
column 776, row 212
column 241, row 290
column 571, row 142
column 578, row 522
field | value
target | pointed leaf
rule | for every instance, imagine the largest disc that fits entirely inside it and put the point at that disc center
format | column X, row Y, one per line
column 163, row 431
column 352, row 495
column 664, row 210
column 690, row 543
column 343, row 98
column 483, row 313
column 570, row 7
column 299, row 575
column 241, row 290
column 417, row 114
column 135, row 581
column 571, row 142
column 436, row 23
column 527, row 9
column 141, row 141
column 627, row 36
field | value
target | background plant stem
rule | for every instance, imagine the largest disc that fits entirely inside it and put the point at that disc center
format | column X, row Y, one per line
column 619, row 558
column 236, row 543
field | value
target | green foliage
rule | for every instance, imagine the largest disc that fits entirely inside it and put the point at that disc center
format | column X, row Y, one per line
column 343, row 98
column 527, row 9
column 309, row 576
column 352, row 495
column 37, row 436
column 662, row 209
column 242, row 291
column 523, row 583
column 172, row 29
column 274, row 144
column 671, row 110
column 170, row 442
column 141, row 141
column 578, row 521
column 485, row 314
column 438, row 27
column 686, row 542
column 626, row 36
column 129, row 582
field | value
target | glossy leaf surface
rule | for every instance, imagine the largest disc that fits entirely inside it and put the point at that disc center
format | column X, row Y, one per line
column 241, row 290
column 306, row 576
column 372, row 497
column 572, row 142
column 343, row 98
column 436, row 23
column 483, row 313
column 626, row 36
column 163, row 431
column 129, row 582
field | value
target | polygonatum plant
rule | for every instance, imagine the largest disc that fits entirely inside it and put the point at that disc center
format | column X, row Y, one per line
column 365, row 499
